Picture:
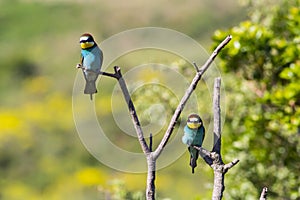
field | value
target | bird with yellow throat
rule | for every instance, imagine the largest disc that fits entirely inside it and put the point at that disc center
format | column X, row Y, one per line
column 194, row 133
column 91, row 62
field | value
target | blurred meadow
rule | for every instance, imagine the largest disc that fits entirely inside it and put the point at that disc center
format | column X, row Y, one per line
column 41, row 155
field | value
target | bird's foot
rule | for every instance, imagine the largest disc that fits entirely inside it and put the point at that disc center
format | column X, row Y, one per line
column 79, row 66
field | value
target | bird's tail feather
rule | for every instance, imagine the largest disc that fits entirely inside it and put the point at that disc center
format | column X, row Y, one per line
column 193, row 164
column 194, row 156
column 90, row 88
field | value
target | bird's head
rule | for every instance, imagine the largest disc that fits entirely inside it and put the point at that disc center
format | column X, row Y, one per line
column 86, row 41
column 194, row 121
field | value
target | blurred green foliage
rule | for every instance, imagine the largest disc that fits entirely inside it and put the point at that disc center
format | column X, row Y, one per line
column 264, row 58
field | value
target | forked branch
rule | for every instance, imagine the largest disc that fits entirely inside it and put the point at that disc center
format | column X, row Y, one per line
column 153, row 155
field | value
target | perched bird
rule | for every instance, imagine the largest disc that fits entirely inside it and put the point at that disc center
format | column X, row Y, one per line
column 91, row 62
column 194, row 133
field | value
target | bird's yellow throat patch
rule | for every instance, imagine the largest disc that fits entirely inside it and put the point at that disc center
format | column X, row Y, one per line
column 193, row 125
column 86, row 45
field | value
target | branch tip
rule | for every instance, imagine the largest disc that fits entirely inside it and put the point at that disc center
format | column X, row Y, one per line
column 230, row 165
column 117, row 68
column 196, row 66
column 264, row 193
column 150, row 142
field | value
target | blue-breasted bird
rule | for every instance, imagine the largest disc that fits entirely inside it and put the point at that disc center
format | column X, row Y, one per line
column 91, row 62
column 194, row 133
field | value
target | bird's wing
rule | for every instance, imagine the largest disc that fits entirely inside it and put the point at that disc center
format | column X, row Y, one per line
column 203, row 134
column 81, row 60
column 188, row 136
column 101, row 57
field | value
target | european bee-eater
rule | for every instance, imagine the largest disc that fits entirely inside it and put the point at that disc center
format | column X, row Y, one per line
column 194, row 133
column 91, row 62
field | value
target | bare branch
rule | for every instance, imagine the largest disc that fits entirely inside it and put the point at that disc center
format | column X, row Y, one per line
column 79, row 66
column 217, row 116
column 214, row 158
column 132, row 111
column 150, row 142
column 187, row 95
column 150, row 190
column 203, row 151
column 230, row 165
column 177, row 113
column 196, row 66
column 108, row 74
column 218, row 165
column 216, row 52
column 218, row 183
column 205, row 154
column 264, row 193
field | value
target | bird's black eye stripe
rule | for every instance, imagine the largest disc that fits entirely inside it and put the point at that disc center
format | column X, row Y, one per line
column 83, row 41
column 86, row 40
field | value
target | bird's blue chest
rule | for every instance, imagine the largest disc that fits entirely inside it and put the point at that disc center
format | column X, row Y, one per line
column 193, row 136
column 85, row 53
column 92, row 58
